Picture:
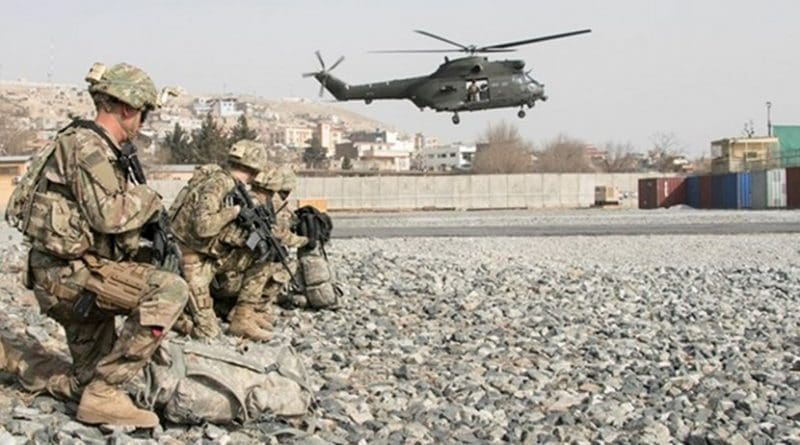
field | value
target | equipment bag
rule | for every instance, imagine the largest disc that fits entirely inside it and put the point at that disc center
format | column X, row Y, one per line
column 318, row 278
column 195, row 383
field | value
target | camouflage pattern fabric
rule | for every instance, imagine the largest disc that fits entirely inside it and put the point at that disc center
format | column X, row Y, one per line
column 82, row 170
column 205, row 213
column 125, row 83
column 284, row 219
column 250, row 154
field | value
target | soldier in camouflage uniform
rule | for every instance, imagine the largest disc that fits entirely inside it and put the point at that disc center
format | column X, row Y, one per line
column 84, row 219
column 259, row 286
column 204, row 221
column 284, row 211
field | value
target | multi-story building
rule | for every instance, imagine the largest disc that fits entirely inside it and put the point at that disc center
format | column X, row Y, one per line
column 455, row 156
column 743, row 154
column 375, row 155
column 292, row 135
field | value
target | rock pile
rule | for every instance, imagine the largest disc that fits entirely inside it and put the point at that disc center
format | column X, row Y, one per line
column 520, row 341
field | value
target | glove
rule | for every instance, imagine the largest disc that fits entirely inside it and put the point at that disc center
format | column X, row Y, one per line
column 172, row 260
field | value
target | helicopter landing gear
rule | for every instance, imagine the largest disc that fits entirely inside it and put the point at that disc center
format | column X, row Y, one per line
column 456, row 119
column 521, row 113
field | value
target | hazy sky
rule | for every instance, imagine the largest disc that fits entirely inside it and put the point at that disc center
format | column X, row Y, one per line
column 699, row 69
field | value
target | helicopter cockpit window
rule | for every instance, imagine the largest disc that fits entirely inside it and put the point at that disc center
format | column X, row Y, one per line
column 477, row 90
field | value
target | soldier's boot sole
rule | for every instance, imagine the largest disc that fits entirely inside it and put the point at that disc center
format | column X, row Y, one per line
column 102, row 404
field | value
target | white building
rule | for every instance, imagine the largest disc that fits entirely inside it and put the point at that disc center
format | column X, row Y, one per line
column 455, row 156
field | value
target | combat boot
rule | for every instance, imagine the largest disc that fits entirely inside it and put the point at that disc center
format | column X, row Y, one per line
column 244, row 323
column 64, row 387
column 104, row 404
column 264, row 316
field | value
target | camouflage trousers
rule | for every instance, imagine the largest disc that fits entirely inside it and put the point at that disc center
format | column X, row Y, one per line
column 151, row 299
column 260, row 285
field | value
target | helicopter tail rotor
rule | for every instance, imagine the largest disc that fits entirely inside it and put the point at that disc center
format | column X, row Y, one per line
column 324, row 74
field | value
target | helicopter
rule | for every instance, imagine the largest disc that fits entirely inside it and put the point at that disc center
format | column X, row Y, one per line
column 470, row 83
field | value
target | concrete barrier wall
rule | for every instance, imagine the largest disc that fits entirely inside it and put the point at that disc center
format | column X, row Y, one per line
column 567, row 190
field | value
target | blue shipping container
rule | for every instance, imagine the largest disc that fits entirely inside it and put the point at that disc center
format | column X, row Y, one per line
column 731, row 191
column 693, row 191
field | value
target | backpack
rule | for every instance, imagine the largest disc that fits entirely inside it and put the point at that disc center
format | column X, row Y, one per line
column 52, row 222
column 201, row 172
column 195, row 383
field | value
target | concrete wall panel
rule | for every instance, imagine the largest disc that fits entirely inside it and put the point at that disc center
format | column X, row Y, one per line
column 551, row 188
column 426, row 192
column 516, row 191
column 390, row 196
column 498, row 191
column 461, row 192
column 480, row 195
column 444, row 187
column 534, row 191
column 407, row 192
column 371, row 192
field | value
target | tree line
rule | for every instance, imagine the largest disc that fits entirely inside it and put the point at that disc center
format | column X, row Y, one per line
column 207, row 144
column 505, row 151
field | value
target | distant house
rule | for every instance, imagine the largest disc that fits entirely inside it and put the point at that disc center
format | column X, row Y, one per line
column 455, row 156
column 743, row 154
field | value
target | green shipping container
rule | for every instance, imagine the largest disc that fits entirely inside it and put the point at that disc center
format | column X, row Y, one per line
column 788, row 144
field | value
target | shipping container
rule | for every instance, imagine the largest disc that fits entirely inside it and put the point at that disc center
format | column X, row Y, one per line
column 706, row 201
column 693, row 191
column 731, row 191
column 793, row 187
column 661, row 192
column 768, row 189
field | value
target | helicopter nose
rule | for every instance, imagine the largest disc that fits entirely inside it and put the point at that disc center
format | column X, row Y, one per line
column 536, row 90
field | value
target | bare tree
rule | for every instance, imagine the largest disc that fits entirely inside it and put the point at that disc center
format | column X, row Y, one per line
column 563, row 155
column 504, row 151
column 666, row 149
column 620, row 158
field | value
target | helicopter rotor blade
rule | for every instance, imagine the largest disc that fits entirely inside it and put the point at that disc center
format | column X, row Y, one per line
column 319, row 57
column 400, row 51
column 434, row 36
column 534, row 40
column 335, row 64
column 310, row 74
column 321, row 88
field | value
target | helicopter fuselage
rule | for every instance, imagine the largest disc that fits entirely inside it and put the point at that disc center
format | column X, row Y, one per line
column 464, row 84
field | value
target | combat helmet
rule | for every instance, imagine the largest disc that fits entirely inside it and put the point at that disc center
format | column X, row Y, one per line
column 268, row 180
column 247, row 153
column 288, row 180
column 124, row 82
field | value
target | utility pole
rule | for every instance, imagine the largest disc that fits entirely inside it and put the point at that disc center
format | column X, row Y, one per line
column 769, row 119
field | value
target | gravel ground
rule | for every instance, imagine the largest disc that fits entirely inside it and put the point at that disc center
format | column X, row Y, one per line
column 648, row 339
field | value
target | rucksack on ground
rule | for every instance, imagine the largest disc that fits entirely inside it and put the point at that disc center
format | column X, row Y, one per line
column 194, row 383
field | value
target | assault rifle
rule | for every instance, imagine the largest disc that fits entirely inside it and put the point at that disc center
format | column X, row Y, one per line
column 256, row 220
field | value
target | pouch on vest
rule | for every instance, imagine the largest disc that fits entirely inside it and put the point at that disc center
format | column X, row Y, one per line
column 56, row 226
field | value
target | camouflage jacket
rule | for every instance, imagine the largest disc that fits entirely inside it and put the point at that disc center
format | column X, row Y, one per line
column 205, row 221
column 84, row 170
